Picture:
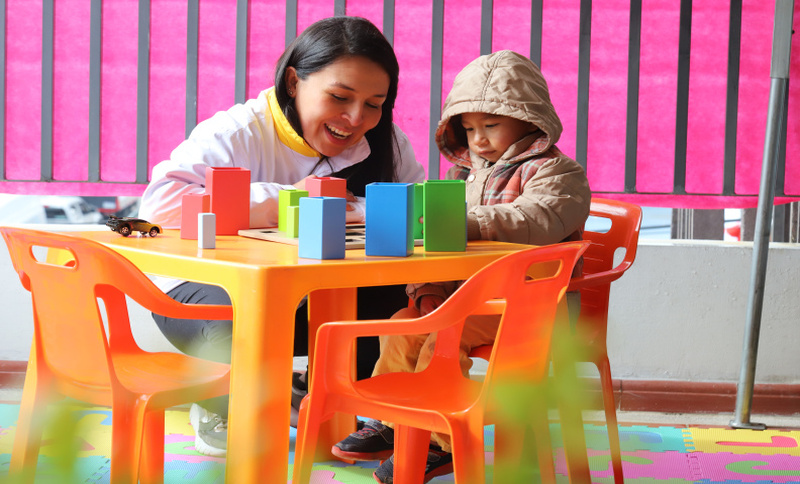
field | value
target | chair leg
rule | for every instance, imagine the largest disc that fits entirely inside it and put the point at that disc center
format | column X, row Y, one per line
column 410, row 454
column 469, row 456
column 127, row 430
column 308, row 423
column 610, row 407
column 30, row 423
column 151, row 462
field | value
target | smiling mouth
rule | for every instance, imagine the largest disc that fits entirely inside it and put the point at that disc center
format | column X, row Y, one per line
column 338, row 133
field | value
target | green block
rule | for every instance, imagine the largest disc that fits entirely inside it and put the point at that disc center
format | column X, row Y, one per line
column 288, row 198
column 444, row 216
column 419, row 200
column 292, row 221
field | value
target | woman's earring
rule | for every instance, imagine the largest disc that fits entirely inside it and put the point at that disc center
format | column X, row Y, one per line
column 291, row 92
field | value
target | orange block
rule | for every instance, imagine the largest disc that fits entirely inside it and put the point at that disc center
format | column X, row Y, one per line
column 229, row 188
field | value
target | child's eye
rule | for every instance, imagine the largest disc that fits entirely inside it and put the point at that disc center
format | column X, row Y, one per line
column 492, row 125
column 467, row 129
column 338, row 98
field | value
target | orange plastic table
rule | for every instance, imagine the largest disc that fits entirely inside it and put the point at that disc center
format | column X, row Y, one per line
column 266, row 281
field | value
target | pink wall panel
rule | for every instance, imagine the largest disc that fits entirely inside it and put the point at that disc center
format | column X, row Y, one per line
column 511, row 24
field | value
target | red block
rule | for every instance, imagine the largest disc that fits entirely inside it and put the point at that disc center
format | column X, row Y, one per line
column 230, row 198
column 327, row 186
column 191, row 205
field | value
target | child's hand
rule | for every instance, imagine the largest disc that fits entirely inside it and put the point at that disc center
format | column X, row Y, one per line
column 428, row 303
column 301, row 185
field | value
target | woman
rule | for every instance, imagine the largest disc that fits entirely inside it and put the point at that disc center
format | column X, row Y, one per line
column 328, row 114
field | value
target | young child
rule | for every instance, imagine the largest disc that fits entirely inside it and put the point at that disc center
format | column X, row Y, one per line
column 499, row 130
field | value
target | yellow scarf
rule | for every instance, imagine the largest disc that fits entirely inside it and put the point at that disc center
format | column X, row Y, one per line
column 286, row 133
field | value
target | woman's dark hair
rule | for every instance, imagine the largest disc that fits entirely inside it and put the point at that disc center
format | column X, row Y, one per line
column 323, row 43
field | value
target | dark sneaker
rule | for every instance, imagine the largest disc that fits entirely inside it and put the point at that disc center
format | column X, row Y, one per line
column 373, row 442
column 210, row 431
column 439, row 463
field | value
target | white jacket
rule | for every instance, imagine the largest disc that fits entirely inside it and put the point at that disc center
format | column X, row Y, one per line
column 246, row 136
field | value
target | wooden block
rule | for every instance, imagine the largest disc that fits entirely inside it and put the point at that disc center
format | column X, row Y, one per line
column 193, row 204
column 206, row 230
column 292, row 221
column 322, row 228
column 419, row 201
column 229, row 188
column 288, row 198
column 327, row 186
column 444, row 216
column 389, row 219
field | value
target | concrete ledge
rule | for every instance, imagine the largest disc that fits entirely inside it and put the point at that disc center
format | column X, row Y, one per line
column 631, row 395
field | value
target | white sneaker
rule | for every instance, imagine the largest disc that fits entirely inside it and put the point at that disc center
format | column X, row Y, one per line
column 211, row 431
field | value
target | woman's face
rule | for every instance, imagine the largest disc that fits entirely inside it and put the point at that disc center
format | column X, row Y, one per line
column 340, row 103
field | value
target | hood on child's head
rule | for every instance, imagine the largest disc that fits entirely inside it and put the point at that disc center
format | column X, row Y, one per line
column 502, row 83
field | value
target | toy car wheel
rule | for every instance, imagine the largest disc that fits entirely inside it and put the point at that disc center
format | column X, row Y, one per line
column 153, row 232
column 125, row 230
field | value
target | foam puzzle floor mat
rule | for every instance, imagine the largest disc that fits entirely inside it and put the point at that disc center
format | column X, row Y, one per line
column 651, row 454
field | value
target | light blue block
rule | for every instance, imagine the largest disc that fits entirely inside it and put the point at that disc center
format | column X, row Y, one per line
column 389, row 219
column 322, row 228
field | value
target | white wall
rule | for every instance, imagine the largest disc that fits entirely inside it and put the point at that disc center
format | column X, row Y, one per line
column 677, row 314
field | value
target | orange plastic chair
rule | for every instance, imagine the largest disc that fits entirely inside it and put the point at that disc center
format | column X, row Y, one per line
column 601, row 267
column 73, row 356
column 441, row 398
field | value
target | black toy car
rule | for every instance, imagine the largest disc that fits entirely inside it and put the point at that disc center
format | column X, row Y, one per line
column 127, row 225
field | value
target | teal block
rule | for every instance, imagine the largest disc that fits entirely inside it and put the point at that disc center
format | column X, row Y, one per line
column 389, row 219
column 419, row 201
column 444, row 216
column 322, row 228
column 288, row 198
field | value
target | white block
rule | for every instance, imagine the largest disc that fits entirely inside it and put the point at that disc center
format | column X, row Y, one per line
column 206, row 230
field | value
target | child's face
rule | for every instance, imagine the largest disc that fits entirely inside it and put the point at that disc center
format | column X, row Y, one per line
column 490, row 135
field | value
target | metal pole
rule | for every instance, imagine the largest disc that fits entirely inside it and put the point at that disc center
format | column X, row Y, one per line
column 779, row 73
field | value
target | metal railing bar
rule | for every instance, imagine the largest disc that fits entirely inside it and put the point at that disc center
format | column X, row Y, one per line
column 388, row 20
column 95, row 89
column 142, row 93
column 732, row 97
column 3, row 73
column 192, row 27
column 437, row 38
column 584, row 56
column 48, row 20
column 242, row 24
column 487, row 7
column 632, row 114
column 339, row 8
column 682, row 98
column 536, row 31
column 291, row 22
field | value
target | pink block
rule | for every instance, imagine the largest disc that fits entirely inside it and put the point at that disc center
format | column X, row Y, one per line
column 327, row 186
column 229, row 188
column 191, row 205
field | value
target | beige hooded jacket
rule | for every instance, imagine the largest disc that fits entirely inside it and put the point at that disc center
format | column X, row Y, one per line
column 533, row 194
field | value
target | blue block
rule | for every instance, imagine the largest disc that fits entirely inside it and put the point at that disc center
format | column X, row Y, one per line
column 322, row 228
column 389, row 219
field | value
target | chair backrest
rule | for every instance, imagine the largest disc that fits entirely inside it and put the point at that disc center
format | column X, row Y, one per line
column 69, row 331
column 599, row 269
column 528, row 308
